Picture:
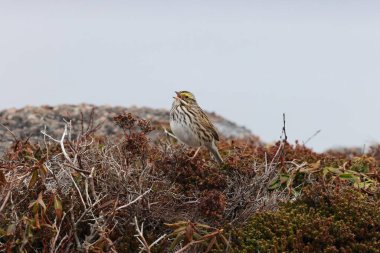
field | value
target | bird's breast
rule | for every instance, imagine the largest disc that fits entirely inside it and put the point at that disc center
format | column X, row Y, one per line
column 184, row 132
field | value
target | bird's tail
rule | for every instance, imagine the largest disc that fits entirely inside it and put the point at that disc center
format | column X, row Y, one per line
column 214, row 150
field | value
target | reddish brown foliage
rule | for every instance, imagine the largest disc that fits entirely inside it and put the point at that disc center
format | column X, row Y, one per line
column 89, row 189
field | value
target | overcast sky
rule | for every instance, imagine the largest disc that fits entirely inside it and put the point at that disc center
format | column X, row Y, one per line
column 249, row 61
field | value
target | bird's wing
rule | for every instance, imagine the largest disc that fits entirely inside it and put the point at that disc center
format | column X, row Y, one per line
column 208, row 125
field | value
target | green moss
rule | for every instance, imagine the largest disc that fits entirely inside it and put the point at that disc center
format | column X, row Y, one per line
column 362, row 164
column 339, row 220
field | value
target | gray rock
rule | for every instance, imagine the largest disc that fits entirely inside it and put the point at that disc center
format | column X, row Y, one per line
column 28, row 122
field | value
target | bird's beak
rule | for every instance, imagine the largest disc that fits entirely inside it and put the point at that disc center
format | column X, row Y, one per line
column 178, row 95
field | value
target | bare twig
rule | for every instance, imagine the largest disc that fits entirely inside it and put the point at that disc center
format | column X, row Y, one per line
column 61, row 142
column 75, row 232
column 141, row 238
column 284, row 139
column 13, row 135
column 58, row 230
column 5, row 200
column 311, row 137
column 170, row 134
column 135, row 200
column 145, row 246
column 76, row 187
column 284, row 128
column 92, row 184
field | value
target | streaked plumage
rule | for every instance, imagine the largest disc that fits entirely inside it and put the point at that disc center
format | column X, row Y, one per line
column 191, row 125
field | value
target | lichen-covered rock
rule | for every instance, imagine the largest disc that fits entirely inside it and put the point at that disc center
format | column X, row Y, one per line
column 28, row 122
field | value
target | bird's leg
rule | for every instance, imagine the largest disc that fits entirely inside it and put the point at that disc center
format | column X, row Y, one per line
column 196, row 152
column 170, row 134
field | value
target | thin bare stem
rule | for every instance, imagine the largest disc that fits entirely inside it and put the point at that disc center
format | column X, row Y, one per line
column 145, row 246
column 135, row 200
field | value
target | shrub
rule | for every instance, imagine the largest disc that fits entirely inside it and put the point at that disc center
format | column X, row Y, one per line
column 84, row 192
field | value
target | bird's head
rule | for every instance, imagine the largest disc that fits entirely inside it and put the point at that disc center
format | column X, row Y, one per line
column 185, row 96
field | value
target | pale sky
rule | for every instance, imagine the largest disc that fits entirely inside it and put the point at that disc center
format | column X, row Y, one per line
column 249, row 61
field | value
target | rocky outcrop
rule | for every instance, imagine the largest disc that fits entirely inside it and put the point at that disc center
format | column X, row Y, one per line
column 28, row 122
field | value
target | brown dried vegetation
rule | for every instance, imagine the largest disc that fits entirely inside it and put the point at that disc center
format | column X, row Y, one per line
column 90, row 193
